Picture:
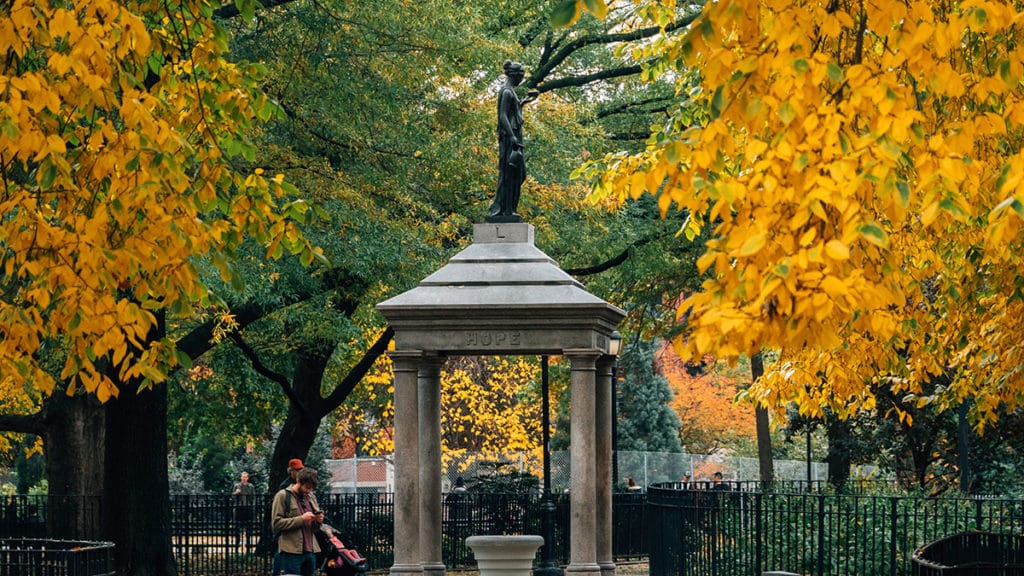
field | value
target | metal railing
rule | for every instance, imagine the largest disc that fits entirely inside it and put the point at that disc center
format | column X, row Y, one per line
column 211, row 535
column 741, row 531
column 971, row 553
column 36, row 556
column 733, row 532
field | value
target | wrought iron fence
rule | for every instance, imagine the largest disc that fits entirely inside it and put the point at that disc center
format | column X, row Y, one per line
column 212, row 536
column 741, row 531
column 735, row 532
column 40, row 557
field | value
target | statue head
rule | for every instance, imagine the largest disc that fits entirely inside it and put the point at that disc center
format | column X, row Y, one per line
column 514, row 71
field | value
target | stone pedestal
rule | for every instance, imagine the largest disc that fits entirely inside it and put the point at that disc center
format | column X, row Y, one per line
column 504, row 555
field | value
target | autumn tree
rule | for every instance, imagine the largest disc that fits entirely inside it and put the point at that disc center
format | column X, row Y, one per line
column 123, row 131
column 860, row 167
column 704, row 397
column 489, row 405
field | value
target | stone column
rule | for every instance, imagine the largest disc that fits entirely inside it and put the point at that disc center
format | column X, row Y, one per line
column 430, row 465
column 603, row 418
column 407, row 463
column 583, row 486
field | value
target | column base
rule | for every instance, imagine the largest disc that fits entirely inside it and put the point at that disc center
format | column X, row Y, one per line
column 607, row 568
column 406, row 570
column 583, row 570
column 434, row 569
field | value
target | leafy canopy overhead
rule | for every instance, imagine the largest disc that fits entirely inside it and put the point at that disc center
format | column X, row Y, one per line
column 120, row 123
column 860, row 166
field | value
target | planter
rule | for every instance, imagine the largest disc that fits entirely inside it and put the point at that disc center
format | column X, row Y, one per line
column 504, row 555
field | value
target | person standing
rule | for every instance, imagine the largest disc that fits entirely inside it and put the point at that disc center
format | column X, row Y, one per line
column 295, row 515
column 294, row 465
column 631, row 484
column 244, row 495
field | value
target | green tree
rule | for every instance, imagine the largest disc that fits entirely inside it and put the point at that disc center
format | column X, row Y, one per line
column 388, row 126
column 646, row 421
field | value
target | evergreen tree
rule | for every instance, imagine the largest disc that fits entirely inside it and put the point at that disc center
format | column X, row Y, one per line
column 646, row 421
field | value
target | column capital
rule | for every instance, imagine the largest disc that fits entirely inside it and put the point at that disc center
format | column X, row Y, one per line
column 405, row 360
column 593, row 352
column 405, row 353
column 583, row 358
column 432, row 360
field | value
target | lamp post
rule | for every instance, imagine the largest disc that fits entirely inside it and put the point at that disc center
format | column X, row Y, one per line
column 548, row 565
column 614, row 347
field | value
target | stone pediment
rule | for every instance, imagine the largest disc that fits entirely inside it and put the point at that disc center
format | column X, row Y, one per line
column 500, row 295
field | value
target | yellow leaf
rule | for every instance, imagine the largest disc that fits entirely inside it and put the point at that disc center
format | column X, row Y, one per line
column 834, row 287
column 836, row 250
column 752, row 245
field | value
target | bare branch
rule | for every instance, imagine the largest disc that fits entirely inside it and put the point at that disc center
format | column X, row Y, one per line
column 355, row 375
column 267, row 373
column 554, row 54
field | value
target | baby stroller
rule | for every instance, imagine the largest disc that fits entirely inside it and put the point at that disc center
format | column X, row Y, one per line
column 339, row 560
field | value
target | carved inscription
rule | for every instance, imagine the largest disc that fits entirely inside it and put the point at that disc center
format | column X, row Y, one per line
column 493, row 339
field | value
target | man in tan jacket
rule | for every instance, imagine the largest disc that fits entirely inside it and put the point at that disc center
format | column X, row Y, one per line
column 294, row 516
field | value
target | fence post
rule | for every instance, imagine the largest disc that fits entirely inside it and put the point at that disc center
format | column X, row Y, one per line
column 977, row 513
column 892, row 534
column 757, row 533
column 821, row 534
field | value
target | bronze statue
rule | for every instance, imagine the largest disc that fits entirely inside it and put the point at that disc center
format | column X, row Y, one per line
column 511, row 163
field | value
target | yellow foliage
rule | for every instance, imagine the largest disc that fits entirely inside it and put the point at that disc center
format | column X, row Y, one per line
column 118, row 123
column 483, row 407
column 863, row 165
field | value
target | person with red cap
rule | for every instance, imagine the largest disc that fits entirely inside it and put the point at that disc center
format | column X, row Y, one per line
column 294, row 465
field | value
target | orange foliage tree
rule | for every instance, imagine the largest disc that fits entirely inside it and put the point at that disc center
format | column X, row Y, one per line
column 704, row 396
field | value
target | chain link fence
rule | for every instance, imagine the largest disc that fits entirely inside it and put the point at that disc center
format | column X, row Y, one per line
column 376, row 474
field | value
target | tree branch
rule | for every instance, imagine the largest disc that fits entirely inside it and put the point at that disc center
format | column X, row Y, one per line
column 637, row 136
column 23, row 423
column 612, row 262
column 267, row 373
column 355, row 375
column 230, row 10
column 582, row 80
column 199, row 340
column 551, row 59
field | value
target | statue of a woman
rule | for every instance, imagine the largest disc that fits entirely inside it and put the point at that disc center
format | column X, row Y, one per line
column 511, row 163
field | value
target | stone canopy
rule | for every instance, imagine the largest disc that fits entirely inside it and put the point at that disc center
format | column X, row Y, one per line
column 501, row 295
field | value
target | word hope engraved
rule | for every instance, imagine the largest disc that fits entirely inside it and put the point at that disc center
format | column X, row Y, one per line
column 510, row 338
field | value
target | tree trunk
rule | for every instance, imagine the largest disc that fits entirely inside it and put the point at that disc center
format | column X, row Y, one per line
column 765, row 463
column 74, row 465
column 137, row 504
column 963, row 460
column 301, row 424
column 838, row 458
